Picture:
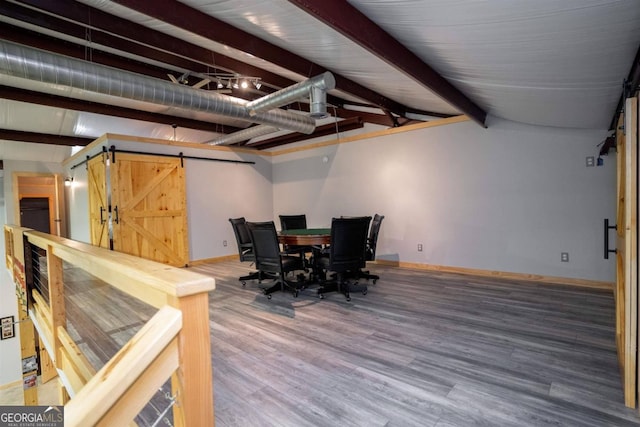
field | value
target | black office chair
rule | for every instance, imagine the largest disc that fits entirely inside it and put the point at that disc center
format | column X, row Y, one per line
column 295, row 222
column 346, row 255
column 271, row 261
column 245, row 248
column 370, row 250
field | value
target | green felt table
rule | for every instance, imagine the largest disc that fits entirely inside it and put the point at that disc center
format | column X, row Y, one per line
column 306, row 236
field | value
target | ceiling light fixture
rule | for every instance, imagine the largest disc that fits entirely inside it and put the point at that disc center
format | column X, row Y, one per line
column 233, row 80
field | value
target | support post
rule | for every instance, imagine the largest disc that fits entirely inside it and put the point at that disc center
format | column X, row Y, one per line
column 193, row 381
column 25, row 325
column 55, row 274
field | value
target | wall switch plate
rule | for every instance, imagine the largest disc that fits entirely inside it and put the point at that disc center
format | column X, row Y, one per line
column 419, row 247
column 591, row 161
column 564, row 256
column 224, row 243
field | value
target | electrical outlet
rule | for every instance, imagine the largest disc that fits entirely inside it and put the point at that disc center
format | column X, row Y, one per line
column 419, row 247
column 224, row 243
column 591, row 161
column 564, row 256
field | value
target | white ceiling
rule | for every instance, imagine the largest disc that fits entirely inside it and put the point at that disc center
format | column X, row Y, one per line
column 543, row 62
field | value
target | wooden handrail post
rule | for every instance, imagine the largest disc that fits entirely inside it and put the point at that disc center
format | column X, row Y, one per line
column 25, row 325
column 55, row 274
column 193, row 381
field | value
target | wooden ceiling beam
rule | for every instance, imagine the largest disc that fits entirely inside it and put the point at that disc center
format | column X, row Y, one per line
column 188, row 18
column 29, row 96
column 120, row 34
column 630, row 88
column 44, row 138
column 350, row 22
column 127, row 36
column 328, row 129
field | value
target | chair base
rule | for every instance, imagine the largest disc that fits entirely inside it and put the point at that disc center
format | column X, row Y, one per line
column 256, row 275
column 345, row 287
column 282, row 284
column 368, row 276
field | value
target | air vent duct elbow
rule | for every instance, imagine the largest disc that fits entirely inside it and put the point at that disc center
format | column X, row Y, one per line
column 316, row 88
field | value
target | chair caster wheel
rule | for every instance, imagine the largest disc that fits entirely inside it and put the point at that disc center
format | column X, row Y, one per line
column 243, row 283
column 364, row 292
column 374, row 281
column 321, row 296
column 295, row 294
column 348, row 297
column 269, row 296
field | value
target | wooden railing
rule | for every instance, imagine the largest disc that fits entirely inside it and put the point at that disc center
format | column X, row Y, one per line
column 174, row 343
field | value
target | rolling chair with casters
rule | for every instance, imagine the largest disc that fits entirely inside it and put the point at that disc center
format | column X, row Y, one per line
column 245, row 248
column 370, row 250
column 346, row 256
column 295, row 222
column 271, row 262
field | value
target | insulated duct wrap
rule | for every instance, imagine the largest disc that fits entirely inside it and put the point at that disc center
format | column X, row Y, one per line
column 34, row 64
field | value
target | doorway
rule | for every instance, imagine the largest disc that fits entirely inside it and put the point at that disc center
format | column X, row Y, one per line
column 36, row 195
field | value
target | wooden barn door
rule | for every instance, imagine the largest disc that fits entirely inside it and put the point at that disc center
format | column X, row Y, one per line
column 149, row 214
column 98, row 203
column 627, row 258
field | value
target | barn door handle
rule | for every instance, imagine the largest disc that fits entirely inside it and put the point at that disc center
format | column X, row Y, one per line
column 116, row 219
column 102, row 220
column 608, row 227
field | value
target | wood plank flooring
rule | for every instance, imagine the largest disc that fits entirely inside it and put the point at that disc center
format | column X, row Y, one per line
column 420, row 349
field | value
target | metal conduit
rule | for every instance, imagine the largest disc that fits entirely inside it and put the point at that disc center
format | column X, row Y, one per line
column 34, row 64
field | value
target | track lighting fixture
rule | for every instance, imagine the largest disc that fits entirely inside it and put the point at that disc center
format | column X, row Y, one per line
column 233, row 81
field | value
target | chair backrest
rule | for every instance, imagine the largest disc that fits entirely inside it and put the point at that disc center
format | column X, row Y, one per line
column 266, row 248
column 372, row 241
column 348, row 243
column 293, row 222
column 243, row 239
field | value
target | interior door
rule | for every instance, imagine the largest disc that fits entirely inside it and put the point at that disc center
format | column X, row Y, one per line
column 149, row 207
column 627, row 261
column 98, row 202
column 34, row 213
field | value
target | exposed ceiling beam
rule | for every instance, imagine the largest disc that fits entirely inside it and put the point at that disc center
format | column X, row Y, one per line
column 44, row 138
column 349, row 21
column 183, row 16
column 630, row 88
column 120, row 34
column 328, row 129
column 103, row 33
column 51, row 44
column 377, row 119
column 29, row 96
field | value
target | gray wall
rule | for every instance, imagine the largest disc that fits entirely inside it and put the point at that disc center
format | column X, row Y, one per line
column 508, row 198
column 10, row 349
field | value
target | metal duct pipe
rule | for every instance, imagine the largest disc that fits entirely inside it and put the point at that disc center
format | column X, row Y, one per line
column 322, row 83
column 243, row 135
column 34, row 64
column 318, row 103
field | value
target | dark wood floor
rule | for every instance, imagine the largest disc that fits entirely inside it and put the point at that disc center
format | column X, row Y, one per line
column 420, row 349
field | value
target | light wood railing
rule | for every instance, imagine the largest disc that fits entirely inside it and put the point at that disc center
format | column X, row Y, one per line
column 174, row 343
